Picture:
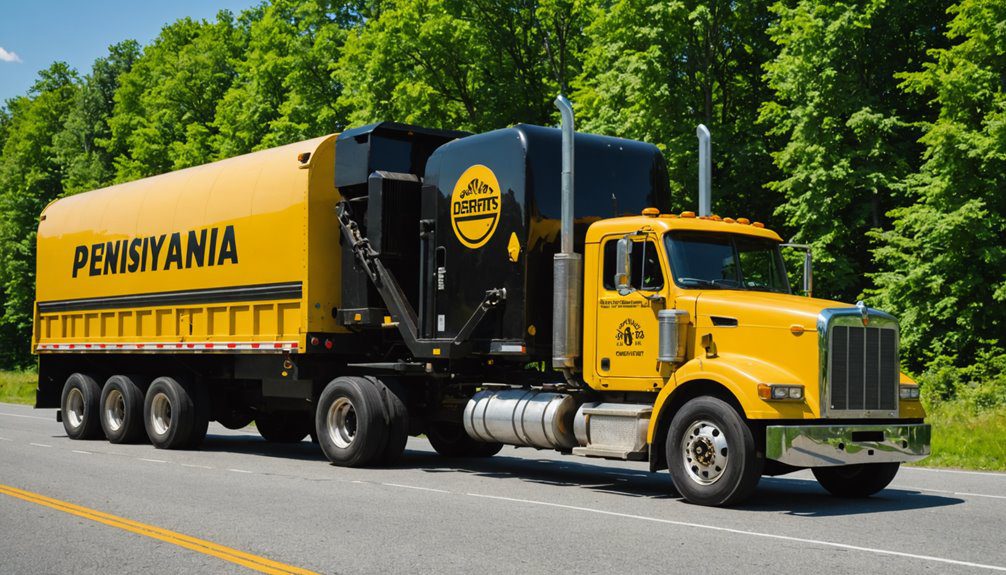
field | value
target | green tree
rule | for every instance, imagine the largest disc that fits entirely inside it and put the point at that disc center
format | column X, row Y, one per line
column 846, row 129
column 81, row 146
column 285, row 90
column 475, row 65
column 165, row 106
column 943, row 265
column 654, row 70
column 30, row 177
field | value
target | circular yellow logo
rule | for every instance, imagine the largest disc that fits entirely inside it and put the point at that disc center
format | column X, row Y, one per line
column 475, row 206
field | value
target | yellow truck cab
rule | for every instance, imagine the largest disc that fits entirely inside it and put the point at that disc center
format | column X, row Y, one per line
column 394, row 280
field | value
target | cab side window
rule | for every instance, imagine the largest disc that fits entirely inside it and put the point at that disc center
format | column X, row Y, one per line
column 646, row 272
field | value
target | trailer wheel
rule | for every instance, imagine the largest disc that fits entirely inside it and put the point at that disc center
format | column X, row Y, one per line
column 122, row 410
column 855, row 481
column 284, row 426
column 170, row 415
column 450, row 440
column 711, row 453
column 80, row 403
column 350, row 422
column 393, row 396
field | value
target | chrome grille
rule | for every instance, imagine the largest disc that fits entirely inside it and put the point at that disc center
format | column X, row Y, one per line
column 864, row 369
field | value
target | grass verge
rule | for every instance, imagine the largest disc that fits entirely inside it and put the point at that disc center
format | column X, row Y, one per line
column 966, row 439
column 18, row 386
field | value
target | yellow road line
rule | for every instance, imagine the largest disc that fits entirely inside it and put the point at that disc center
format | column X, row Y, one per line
column 254, row 562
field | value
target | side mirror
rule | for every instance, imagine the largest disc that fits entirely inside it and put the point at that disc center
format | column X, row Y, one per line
column 623, row 266
column 808, row 267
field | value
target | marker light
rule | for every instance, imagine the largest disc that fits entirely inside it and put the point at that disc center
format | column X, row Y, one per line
column 688, row 214
column 651, row 212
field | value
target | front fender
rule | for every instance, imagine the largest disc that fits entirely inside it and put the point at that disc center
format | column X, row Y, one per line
column 740, row 376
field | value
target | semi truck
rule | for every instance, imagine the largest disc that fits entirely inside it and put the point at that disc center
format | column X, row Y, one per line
column 479, row 289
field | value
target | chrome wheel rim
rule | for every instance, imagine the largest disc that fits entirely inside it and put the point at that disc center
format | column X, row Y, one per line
column 705, row 452
column 160, row 413
column 115, row 410
column 75, row 408
column 342, row 422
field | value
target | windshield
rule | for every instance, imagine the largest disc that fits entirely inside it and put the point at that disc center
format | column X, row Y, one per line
column 726, row 261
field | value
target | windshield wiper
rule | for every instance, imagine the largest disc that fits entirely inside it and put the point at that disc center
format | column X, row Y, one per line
column 698, row 282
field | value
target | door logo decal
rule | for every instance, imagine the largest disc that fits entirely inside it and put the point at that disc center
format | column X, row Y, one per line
column 629, row 335
column 475, row 206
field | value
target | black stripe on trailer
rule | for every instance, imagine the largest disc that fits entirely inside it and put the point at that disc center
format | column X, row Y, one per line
column 259, row 292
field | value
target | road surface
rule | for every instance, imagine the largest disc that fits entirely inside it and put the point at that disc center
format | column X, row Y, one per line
column 241, row 505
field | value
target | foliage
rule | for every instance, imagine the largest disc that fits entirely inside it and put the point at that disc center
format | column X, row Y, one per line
column 943, row 265
column 655, row 69
column 846, row 130
column 965, row 438
column 18, row 387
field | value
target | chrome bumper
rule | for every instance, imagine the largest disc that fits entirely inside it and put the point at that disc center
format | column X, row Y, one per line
column 831, row 445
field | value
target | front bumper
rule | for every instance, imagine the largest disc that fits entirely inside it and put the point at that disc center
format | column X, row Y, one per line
column 832, row 445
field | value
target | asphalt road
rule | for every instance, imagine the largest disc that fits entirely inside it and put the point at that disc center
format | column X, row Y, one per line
column 523, row 511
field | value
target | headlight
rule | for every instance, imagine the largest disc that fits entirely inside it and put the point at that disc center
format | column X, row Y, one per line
column 909, row 392
column 778, row 392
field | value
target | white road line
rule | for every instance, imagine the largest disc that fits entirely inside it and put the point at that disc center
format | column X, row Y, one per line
column 240, row 471
column 958, row 471
column 83, row 452
column 27, row 416
column 415, row 487
column 5, row 439
column 152, row 460
column 39, row 445
column 750, row 533
column 965, row 493
column 196, row 466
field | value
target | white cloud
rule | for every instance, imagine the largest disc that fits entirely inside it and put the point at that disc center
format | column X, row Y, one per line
column 6, row 56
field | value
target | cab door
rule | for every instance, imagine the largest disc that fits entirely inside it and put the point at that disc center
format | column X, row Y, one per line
column 626, row 337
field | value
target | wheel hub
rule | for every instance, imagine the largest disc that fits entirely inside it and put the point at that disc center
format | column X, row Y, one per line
column 75, row 408
column 115, row 410
column 705, row 452
column 160, row 413
column 342, row 422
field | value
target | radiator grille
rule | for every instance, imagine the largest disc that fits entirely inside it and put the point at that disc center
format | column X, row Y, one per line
column 864, row 369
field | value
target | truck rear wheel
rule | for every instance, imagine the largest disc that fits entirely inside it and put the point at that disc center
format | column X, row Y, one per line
column 711, row 453
column 350, row 421
column 122, row 410
column 450, row 440
column 284, row 426
column 855, row 481
column 393, row 396
column 172, row 414
column 80, row 402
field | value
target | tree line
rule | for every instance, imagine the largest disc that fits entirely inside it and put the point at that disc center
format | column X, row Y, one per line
column 873, row 130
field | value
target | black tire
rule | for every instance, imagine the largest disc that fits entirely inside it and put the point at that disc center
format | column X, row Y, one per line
column 121, row 410
column 711, row 453
column 170, row 415
column 451, row 440
column 856, row 481
column 393, row 397
column 284, row 426
column 352, row 430
column 200, row 425
column 80, row 404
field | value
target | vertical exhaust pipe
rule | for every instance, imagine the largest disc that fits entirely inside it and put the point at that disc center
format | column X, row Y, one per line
column 567, row 265
column 705, row 171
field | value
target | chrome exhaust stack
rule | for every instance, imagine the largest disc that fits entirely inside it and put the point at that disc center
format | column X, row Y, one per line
column 705, row 171
column 567, row 265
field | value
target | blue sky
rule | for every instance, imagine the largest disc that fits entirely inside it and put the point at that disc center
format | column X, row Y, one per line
column 36, row 33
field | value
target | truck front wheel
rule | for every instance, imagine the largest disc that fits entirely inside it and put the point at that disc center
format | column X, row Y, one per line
column 350, row 421
column 711, row 453
column 856, row 481
column 80, row 404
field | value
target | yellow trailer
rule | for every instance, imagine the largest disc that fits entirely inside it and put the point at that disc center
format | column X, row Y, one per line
column 235, row 256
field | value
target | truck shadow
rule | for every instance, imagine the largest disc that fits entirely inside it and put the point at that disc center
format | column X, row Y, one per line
column 792, row 496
